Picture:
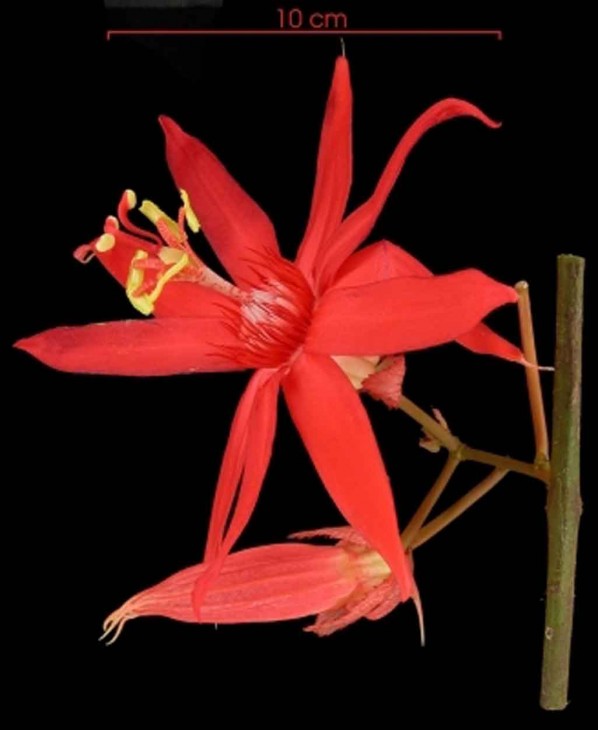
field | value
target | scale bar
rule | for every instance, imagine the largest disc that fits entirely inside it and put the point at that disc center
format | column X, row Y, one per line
column 492, row 33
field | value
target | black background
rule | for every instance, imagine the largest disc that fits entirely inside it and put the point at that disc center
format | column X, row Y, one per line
column 112, row 478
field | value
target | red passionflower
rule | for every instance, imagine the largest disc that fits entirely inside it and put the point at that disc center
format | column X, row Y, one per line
column 315, row 328
column 340, row 583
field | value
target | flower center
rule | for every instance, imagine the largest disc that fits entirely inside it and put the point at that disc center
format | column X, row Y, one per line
column 273, row 319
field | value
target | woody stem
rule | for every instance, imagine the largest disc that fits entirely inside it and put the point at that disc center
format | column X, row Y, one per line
column 466, row 453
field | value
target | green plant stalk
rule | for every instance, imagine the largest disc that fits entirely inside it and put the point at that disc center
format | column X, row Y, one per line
column 564, row 499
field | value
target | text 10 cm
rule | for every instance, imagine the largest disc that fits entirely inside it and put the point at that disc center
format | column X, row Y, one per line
column 296, row 19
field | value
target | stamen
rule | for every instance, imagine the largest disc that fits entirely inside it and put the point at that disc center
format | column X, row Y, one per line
column 105, row 243
column 157, row 216
column 127, row 202
column 111, row 224
column 131, row 199
column 174, row 237
column 190, row 217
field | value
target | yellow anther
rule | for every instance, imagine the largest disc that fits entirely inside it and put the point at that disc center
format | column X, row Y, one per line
column 171, row 255
column 105, row 242
column 131, row 199
column 144, row 303
column 190, row 217
column 134, row 281
column 154, row 214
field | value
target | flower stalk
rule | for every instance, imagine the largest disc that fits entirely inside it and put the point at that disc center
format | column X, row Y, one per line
column 462, row 452
column 418, row 519
column 532, row 374
column 458, row 508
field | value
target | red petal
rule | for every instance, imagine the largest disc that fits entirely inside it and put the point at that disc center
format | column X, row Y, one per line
column 407, row 313
column 278, row 582
column 186, row 299
column 333, row 175
column 378, row 262
column 234, row 224
column 134, row 347
column 386, row 260
column 343, row 448
column 358, row 225
column 247, row 452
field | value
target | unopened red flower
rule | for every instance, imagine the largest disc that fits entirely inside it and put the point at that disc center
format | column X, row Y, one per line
column 338, row 583
column 316, row 327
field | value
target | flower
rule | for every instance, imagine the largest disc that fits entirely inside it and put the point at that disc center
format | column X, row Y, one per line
column 315, row 328
column 340, row 583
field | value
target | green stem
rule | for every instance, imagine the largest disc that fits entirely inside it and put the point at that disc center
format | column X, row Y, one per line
column 564, row 499
column 465, row 453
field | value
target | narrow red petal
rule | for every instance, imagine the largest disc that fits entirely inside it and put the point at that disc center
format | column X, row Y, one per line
column 231, row 468
column 262, row 428
column 407, row 313
column 342, row 445
column 385, row 260
column 234, row 224
column 247, row 453
column 484, row 341
column 359, row 224
column 334, row 169
column 134, row 347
